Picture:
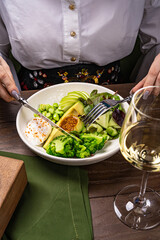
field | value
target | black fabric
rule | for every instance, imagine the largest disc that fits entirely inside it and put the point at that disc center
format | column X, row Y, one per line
column 38, row 79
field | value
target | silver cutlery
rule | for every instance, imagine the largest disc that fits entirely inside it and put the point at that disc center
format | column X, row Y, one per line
column 24, row 102
column 102, row 108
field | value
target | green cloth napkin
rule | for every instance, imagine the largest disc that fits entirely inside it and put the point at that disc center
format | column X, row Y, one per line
column 54, row 205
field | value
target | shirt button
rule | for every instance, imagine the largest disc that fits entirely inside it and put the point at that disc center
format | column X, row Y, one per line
column 73, row 59
column 73, row 34
column 71, row 6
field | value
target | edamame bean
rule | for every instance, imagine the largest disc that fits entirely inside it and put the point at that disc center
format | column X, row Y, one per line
column 44, row 113
column 48, row 115
column 55, row 105
column 42, row 108
column 56, row 116
column 59, row 112
column 48, row 106
column 51, row 110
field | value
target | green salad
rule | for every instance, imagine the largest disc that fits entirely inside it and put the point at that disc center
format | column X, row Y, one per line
column 67, row 114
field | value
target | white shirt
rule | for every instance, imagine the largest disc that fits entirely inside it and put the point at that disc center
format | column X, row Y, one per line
column 54, row 33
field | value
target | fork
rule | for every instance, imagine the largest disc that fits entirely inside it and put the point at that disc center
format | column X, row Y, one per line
column 102, row 108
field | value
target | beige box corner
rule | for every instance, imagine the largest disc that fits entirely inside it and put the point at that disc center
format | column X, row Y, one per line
column 13, row 180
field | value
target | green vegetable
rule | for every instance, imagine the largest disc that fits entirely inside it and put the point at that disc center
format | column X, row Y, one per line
column 96, row 97
column 42, row 108
column 59, row 112
column 65, row 146
column 93, row 140
column 48, row 115
column 94, row 127
column 71, row 98
column 44, row 113
column 55, row 105
column 48, row 106
column 61, row 146
column 56, row 117
column 81, row 151
column 112, row 131
column 51, row 110
column 104, row 119
column 75, row 110
column 88, row 108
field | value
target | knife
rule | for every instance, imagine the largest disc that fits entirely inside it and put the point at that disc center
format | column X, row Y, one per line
column 24, row 102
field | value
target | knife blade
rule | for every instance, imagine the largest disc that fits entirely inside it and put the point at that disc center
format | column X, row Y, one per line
column 24, row 102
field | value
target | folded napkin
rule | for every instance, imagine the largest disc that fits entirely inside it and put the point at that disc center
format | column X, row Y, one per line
column 54, row 205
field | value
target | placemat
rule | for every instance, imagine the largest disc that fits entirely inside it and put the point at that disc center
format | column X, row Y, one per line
column 55, row 203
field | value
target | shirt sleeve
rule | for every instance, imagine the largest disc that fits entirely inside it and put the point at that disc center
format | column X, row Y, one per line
column 149, row 32
column 149, row 35
column 5, row 50
column 4, row 39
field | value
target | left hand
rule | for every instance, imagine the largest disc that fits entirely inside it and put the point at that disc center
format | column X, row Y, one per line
column 7, row 83
column 153, row 76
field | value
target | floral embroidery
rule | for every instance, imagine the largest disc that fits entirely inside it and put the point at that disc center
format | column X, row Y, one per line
column 64, row 76
column 91, row 73
column 82, row 76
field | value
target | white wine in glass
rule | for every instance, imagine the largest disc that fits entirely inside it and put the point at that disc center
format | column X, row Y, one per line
column 138, row 206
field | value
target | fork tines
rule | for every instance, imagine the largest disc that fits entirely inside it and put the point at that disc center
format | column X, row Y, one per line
column 101, row 108
column 97, row 111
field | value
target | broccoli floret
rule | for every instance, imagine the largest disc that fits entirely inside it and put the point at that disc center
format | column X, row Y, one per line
column 88, row 144
column 81, row 151
column 61, row 146
column 93, row 141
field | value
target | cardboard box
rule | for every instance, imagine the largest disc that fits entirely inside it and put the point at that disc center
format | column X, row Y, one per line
column 13, row 180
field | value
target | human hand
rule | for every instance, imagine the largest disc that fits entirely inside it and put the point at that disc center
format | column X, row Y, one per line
column 7, row 84
column 153, row 76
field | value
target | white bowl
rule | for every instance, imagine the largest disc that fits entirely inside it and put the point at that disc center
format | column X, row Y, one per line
column 54, row 94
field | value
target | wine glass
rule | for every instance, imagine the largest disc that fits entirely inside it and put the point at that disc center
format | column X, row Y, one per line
column 138, row 206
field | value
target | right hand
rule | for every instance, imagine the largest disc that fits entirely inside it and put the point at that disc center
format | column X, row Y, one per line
column 152, row 78
column 7, row 83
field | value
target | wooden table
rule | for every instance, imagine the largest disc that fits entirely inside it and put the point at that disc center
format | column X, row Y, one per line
column 105, row 178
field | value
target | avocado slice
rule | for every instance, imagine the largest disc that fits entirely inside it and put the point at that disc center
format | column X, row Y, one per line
column 71, row 115
column 94, row 127
column 113, row 124
column 112, row 131
column 104, row 119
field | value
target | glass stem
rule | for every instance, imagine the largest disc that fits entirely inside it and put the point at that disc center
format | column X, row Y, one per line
column 143, row 185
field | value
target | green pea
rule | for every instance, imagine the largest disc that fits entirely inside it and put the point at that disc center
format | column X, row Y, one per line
column 60, row 112
column 44, row 113
column 35, row 115
column 56, row 116
column 48, row 106
column 55, row 105
column 48, row 115
column 42, row 108
column 51, row 110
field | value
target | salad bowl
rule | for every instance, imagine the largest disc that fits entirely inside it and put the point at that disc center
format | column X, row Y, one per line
column 54, row 94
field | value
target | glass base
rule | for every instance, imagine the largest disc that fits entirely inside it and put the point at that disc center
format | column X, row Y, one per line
column 138, row 213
